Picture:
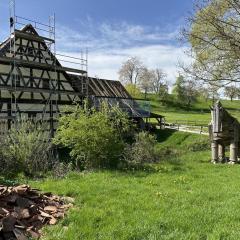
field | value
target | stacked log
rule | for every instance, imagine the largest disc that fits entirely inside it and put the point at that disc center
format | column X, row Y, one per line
column 24, row 211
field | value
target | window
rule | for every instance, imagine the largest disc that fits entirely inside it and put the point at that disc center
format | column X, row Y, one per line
column 45, row 83
column 30, row 51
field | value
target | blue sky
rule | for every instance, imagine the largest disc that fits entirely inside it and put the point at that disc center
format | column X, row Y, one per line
column 112, row 30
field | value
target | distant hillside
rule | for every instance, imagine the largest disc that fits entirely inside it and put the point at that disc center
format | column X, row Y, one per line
column 199, row 111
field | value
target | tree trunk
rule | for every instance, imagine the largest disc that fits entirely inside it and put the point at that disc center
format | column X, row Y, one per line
column 145, row 94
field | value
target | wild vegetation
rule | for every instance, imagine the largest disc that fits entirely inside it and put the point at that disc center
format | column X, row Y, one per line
column 25, row 149
column 137, row 185
column 182, row 197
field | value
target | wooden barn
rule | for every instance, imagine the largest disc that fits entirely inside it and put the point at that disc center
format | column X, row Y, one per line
column 34, row 84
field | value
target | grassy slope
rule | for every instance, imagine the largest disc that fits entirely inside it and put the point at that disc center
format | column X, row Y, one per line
column 185, row 198
column 198, row 111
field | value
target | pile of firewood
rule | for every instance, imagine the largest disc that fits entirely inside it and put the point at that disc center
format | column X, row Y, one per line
column 24, row 211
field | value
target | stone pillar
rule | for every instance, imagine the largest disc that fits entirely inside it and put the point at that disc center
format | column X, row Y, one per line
column 233, row 152
column 221, row 152
column 214, row 152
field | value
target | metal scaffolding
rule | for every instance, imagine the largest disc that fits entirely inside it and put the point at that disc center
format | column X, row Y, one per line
column 45, row 33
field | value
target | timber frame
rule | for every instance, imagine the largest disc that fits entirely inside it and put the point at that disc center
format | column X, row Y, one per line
column 34, row 84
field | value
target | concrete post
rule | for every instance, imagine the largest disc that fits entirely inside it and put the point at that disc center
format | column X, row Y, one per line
column 214, row 152
column 221, row 152
column 233, row 152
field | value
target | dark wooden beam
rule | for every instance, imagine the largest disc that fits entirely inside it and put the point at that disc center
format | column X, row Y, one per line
column 36, row 101
column 38, row 65
column 39, row 90
column 29, row 36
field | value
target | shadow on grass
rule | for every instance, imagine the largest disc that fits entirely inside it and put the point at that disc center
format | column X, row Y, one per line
column 8, row 182
column 163, row 135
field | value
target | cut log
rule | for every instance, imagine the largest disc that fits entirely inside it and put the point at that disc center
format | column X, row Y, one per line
column 24, row 211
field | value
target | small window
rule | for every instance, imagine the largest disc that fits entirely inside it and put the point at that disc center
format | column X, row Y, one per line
column 30, row 52
column 45, row 83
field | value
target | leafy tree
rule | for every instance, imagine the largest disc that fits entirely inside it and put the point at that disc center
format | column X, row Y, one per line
column 190, row 91
column 94, row 137
column 214, row 34
column 130, row 71
column 163, row 91
column 185, row 90
column 231, row 92
column 178, row 88
column 146, row 79
column 133, row 90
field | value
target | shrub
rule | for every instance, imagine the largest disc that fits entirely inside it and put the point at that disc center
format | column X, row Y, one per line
column 200, row 144
column 25, row 149
column 95, row 138
column 142, row 151
column 61, row 169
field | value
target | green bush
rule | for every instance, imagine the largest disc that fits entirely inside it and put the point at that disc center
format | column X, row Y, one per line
column 25, row 149
column 142, row 151
column 200, row 144
column 95, row 138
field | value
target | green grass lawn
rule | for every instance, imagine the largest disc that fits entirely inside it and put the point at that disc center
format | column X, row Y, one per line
column 199, row 111
column 183, row 197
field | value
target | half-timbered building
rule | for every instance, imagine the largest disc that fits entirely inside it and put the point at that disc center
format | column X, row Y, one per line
column 34, row 84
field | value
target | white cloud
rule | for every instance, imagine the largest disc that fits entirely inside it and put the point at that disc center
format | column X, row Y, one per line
column 111, row 44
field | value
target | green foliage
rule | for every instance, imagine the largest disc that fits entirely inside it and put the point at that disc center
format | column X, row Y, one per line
column 178, row 88
column 214, row 38
column 185, row 90
column 163, row 92
column 142, row 151
column 184, row 198
column 96, row 138
column 25, row 149
column 231, row 92
column 133, row 90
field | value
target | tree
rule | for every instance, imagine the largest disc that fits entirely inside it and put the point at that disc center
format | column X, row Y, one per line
column 95, row 138
column 204, row 93
column 213, row 91
column 133, row 90
column 159, row 80
column 190, row 91
column 178, row 88
column 130, row 71
column 186, row 90
column 146, row 79
column 214, row 34
column 231, row 92
column 163, row 91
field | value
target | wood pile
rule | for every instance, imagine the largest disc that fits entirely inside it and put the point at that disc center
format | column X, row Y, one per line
column 24, row 211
